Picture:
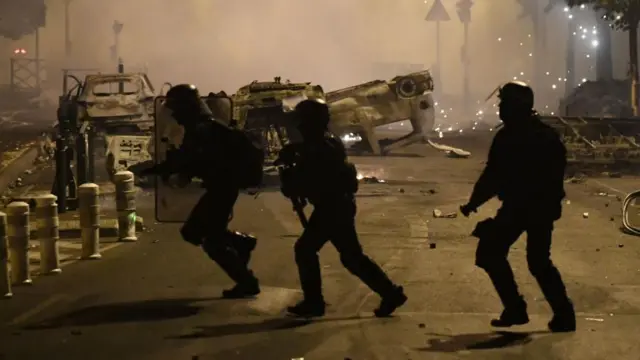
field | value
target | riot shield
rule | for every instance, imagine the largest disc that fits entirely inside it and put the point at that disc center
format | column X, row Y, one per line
column 175, row 199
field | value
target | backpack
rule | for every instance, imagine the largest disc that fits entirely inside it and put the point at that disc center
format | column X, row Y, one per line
column 248, row 160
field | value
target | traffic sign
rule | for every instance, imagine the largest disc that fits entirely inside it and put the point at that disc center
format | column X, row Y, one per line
column 437, row 13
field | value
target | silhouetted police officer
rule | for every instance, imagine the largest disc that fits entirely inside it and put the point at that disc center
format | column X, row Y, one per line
column 323, row 177
column 525, row 169
column 204, row 154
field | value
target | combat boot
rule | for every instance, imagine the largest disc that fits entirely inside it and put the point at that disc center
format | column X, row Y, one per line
column 513, row 315
column 563, row 321
column 308, row 308
column 245, row 289
column 391, row 302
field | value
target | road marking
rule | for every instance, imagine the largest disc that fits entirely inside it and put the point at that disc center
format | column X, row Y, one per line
column 609, row 187
column 39, row 308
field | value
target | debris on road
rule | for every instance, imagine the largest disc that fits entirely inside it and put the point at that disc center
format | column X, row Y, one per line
column 595, row 319
column 458, row 154
column 577, row 179
column 438, row 214
column 450, row 151
column 585, row 215
column 370, row 179
column 612, row 174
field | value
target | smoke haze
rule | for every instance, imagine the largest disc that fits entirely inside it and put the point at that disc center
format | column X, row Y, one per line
column 222, row 44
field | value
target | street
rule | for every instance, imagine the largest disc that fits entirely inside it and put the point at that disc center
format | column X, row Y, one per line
column 159, row 298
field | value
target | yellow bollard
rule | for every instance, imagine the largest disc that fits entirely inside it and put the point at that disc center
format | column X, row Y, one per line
column 48, row 234
column 89, row 207
column 5, row 276
column 126, row 206
column 18, row 233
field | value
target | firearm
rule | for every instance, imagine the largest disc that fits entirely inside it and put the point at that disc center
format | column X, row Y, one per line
column 285, row 164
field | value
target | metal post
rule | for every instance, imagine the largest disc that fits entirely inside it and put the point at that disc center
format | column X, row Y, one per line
column 72, row 184
column 38, row 77
column 81, row 157
column 12, row 75
column 60, row 182
column 48, row 233
column 120, row 71
column 65, row 82
column 464, row 14
column 465, row 63
column 91, row 154
column 67, row 30
column 18, row 233
column 89, row 206
column 117, row 28
column 126, row 205
column 5, row 280
column 570, row 60
column 438, row 59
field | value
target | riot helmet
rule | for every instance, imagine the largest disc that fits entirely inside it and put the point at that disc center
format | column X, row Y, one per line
column 183, row 100
column 312, row 116
column 516, row 101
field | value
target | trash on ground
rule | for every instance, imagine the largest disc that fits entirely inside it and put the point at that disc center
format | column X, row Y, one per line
column 439, row 214
column 458, row 154
column 451, row 151
column 370, row 180
column 595, row 319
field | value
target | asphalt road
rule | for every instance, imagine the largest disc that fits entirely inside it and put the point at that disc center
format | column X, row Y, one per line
column 159, row 298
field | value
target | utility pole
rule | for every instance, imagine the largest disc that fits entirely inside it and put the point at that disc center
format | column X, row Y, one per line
column 438, row 14
column 464, row 14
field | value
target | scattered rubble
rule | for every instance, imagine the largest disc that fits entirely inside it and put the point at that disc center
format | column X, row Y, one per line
column 599, row 99
column 370, row 180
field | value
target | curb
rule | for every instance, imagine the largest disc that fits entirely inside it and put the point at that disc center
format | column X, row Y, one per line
column 16, row 167
column 30, row 196
column 70, row 229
